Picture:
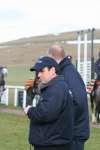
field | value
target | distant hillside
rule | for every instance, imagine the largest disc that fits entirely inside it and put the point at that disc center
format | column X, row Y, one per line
column 27, row 50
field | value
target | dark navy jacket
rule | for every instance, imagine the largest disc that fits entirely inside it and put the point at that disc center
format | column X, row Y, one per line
column 97, row 67
column 76, row 84
column 51, row 121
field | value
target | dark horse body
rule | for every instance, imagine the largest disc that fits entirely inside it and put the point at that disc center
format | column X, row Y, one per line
column 95, row 104
column 3, row 73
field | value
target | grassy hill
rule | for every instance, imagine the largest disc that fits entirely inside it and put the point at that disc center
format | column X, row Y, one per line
column 20, row 54
column 26, row 50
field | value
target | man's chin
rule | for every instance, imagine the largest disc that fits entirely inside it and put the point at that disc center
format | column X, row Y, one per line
column 44, row 82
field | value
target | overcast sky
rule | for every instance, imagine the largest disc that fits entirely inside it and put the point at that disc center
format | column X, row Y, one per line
column 25, row 18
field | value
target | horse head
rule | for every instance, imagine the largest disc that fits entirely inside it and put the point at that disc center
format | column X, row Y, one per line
column 3, row 74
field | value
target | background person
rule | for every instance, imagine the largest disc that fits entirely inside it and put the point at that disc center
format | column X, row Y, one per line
column 97, row 71
column 77, row 86
column 97, row 67
column 51, row 121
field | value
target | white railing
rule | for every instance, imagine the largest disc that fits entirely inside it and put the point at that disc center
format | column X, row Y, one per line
column 5, row 96
column 87, row 73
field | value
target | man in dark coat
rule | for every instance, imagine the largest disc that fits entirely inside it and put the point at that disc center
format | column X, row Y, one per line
column 77, row 86
column 51, row 120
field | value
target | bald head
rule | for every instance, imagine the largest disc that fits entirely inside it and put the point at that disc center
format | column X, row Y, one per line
column 57, row 52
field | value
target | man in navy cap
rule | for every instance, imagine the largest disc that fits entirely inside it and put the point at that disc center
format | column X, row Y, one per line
column 51, row 120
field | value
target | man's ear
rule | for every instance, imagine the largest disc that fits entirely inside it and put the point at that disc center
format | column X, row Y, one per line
column 53, row 70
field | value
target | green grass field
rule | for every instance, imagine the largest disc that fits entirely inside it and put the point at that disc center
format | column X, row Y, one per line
column 14, row 134
column 93, row 143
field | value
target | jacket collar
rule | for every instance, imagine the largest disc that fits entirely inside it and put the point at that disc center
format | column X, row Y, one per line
column 64, row 62
column 53, row 81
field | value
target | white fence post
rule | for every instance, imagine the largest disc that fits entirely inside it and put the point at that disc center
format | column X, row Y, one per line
column 24, row 98
column 85, row 58
column 7, row 96
column 88, row 72
column 78, row 51
column 16, row 98
column 4, row 96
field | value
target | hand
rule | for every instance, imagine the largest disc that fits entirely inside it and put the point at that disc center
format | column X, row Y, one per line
column 26, row 109
column 29, row 84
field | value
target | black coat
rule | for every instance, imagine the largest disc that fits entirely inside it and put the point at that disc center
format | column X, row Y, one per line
column 51, row 121
column 76, row 84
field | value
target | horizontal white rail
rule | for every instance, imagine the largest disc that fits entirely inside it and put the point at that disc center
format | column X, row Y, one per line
column 14, row 86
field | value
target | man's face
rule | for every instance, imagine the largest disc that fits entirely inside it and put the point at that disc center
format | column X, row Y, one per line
column 46, row 74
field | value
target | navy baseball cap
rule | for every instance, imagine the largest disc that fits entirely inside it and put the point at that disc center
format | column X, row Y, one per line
column 45, row 62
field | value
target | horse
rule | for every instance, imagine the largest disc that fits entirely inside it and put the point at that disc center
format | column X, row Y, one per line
column 32, row 91
column 3, row 74
column 95, row 103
